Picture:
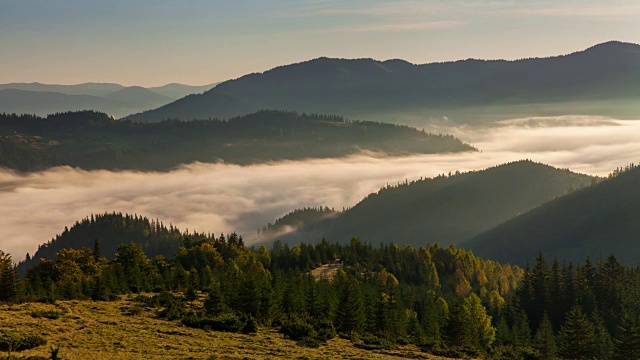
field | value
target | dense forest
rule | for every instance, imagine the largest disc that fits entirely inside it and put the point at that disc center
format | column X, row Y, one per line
column 93, row 140
column 593, row 221
column 449, row 208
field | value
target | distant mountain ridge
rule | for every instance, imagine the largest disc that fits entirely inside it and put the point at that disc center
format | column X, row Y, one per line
column 444, row 209
column 359, row 87
column 94, row 140
column 114, row 99
column 595, row 221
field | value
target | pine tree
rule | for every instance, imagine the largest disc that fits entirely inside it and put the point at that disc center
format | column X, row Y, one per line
column 604, row 344
column 96, row 250
column 350, row 312
column 214, row 304
column 627, row 341
column 544, row 340
column 455, row 329
column 576, row 339
column 8, row 279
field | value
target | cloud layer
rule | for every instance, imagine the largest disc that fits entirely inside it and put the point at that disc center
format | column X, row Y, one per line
column 223, row 198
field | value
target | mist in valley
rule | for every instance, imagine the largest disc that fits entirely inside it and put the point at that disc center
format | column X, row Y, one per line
column 222, row 198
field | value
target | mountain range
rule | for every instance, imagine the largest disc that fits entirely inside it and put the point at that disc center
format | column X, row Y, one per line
column 603, row 80
column 114, row 99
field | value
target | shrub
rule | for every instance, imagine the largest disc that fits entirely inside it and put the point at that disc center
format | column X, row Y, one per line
column 13, row 342
column 308, row 331
column 251, row 326
column 224, row 322
column 49, row 314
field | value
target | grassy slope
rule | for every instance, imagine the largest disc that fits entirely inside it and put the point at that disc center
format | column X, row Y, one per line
column 102, row 330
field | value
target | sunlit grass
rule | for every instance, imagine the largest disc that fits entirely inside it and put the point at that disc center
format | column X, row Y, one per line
column 103, row 330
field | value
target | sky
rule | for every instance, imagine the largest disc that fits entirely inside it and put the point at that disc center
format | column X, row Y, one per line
column 155, row 42
column 222, row 198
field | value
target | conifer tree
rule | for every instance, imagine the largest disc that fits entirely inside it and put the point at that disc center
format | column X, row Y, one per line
column 604, row 344
column 8, row 279
column 544, row 341
column 627, row 341
column 576, row 339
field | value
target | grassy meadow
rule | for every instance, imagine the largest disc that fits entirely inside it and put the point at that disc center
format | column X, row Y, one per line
column 123, row 329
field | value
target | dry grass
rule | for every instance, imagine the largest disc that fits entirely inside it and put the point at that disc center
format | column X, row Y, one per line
column 325, row 271
column 101, row 330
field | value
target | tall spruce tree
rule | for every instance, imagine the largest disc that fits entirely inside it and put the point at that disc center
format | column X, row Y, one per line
column 8, row 279
column 627, row 341
column 544, row 341
column 576, row 339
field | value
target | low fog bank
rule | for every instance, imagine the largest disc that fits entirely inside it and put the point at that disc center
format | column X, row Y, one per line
column 224, row 198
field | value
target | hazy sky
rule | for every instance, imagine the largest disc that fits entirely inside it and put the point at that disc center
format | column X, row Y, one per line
column 153, row 42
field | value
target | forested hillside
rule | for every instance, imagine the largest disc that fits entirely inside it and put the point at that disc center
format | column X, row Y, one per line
column 445, row 209
column 438, row 298
column 110, row 231
column 601, row 80
column 92, row 140
column 595, row 221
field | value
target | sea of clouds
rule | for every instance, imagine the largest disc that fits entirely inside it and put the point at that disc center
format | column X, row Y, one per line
column 220, row 197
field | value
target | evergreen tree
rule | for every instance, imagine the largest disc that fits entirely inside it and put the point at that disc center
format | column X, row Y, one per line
column 576, row 339
column 350, row 312
column 96, row 250
column 604, row 344
column 214, row 303
column 544, row 341
column 627, row 341
column 455, row 329
column 8, row 279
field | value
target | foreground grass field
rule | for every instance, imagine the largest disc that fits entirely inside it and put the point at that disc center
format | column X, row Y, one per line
column 111, row 330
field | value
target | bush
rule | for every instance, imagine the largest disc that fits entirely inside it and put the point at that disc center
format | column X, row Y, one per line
column 49, row 314
column 296, row 328
column 224, row 322
column 462, row 352
column 251, row 326
column 308, row 331
column 373, row 342
column 13, row 342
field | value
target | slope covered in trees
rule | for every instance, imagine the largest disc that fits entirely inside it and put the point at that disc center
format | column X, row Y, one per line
column 592, row 222
column 584, row 82
column 382, row 296
column 111, row 230
column 446, row 209
column 94, row 140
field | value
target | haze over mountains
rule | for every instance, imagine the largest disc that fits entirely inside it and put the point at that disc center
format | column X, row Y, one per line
column 601, row 80
column 114, row 99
